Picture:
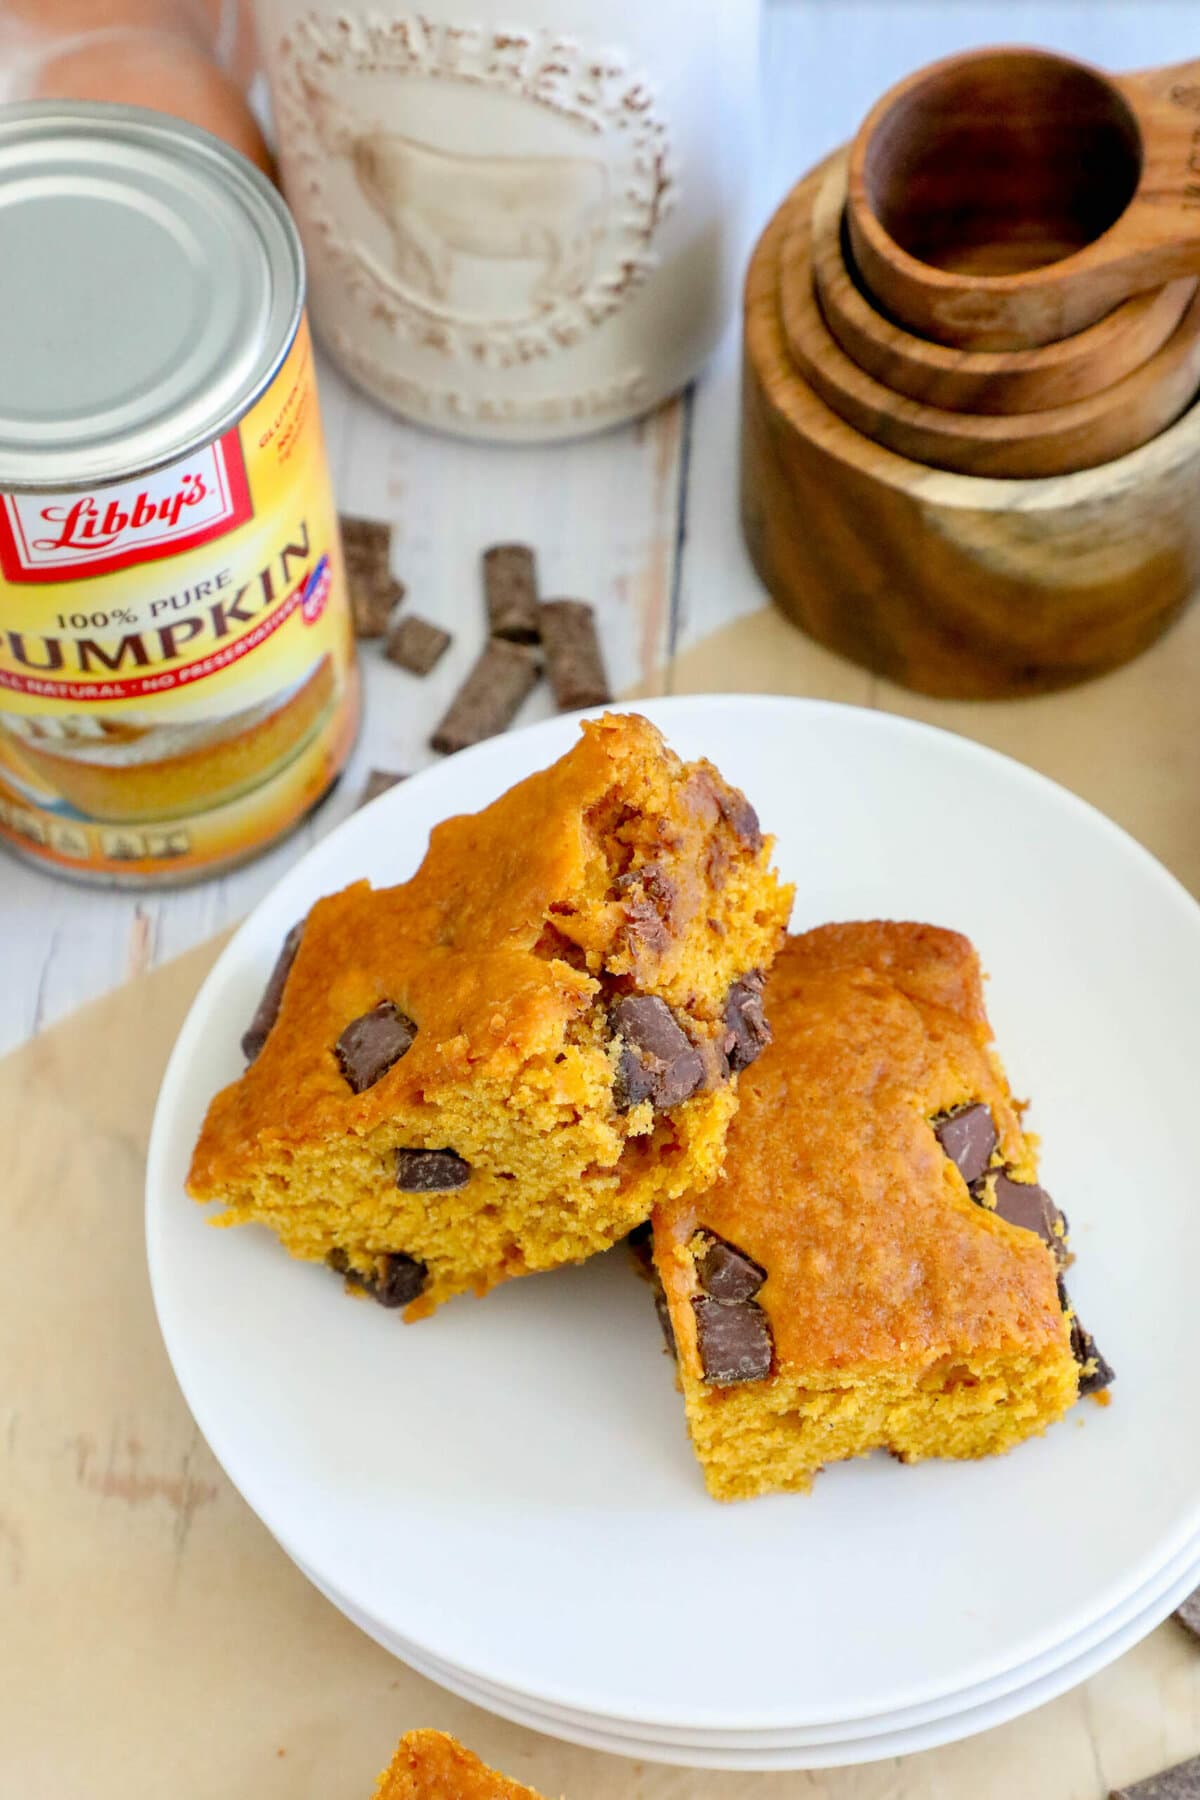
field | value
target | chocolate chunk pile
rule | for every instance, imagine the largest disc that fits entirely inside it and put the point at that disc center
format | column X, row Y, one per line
column 732, row 1334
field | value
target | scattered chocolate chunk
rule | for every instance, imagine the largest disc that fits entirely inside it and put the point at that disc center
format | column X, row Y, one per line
column 734, row 1340
column 1179, row 1783
column 968, row 1136
column 1097, row 1372
column 415, row 644
column 370, row 1045
column 658, row 1061
column 573, row 660
column 510, row 589
column 430, row 1171
column 1026, row 1204
column 727, row 1273
column 374, row 594
column 401, row 1280
column 1189, row 1613
column 747, row 1033
column 267, row 1010
column 378, row 782
column 490, row 697
column 740, row 816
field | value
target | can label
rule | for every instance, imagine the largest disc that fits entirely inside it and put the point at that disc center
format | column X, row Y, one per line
column 177, row 680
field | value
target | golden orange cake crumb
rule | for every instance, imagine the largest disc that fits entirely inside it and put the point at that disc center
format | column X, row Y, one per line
column 876, row 1266
column 502, row 1064
column 429, row 1765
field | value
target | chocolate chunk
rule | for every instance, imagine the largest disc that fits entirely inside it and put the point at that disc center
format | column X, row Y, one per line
column 1189, row 1613
column 1026, row 1204
column 366, row 543
column 968, row 1136
column 510, row 590
column 658, row 1062
column 747, row 1033
column 663, row 1314
column 397, row 1279
column 402, row 1279
column 378, row 782
column 734, row 1340
column 740, row 816
column 1097, row 1372
column 416, row 645
column 727, row 1273
column 1179, row 1783
column 490, row 698
column 373, row 600
column 430, row 1171
column 370, row 1045
column 573, row 660
column 267, row 1010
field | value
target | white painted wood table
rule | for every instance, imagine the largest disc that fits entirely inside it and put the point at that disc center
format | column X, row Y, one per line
column 641, row 521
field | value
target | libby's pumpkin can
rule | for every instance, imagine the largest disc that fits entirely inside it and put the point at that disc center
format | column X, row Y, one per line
column 177, row 677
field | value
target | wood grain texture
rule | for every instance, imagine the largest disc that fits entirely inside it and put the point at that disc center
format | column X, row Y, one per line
column 979, row 381
column 953, row 584
column 1096, row 429
column 1009, row 197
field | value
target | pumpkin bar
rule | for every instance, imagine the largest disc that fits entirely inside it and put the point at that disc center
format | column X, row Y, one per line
column 876, row 1267
column 502, row 1064
column 429, row 1765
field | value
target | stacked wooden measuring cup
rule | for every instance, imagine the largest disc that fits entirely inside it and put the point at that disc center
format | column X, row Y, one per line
column 971, row 437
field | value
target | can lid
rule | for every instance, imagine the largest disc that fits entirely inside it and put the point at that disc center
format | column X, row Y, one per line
column 151, row 281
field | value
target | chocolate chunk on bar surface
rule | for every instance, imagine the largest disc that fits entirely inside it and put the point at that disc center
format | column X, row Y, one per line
column 267, row 1010
column 416, row 644
column 490, row 697
column 727, row 1273
column 658, row 1061
column 510, row 590
column 372, row 1043
column 734, row 1340
column 430, row 1171
column 1189, row 1613
column 1179, row 1783
column 1097, row 1372
column 1026, row 1204
column 403, row 1278
column 378, row 782
column 573, row 660
column 747, row 1030
column 968, row 1136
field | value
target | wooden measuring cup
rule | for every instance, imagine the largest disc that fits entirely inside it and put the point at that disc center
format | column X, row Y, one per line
column 1007, row 198
column 980, row 381
column 1058, row 441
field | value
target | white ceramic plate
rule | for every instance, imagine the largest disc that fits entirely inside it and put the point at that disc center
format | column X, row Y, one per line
column 1135, row 1616
column 878, row 1746
column 508, row 1487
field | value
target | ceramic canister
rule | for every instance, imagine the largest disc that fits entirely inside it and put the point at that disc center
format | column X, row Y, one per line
column 522, row 220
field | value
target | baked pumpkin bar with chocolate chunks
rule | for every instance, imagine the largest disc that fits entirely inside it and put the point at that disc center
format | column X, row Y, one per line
column 430, row 1765
column 876, row 1267
column 502, row 1064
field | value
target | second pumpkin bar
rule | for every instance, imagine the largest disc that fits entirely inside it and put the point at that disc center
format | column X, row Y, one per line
column 502, row 1064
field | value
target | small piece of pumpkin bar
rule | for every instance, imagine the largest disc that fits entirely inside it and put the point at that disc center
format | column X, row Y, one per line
column 502, row 1064
column 429, row 1765
column 876, row 1267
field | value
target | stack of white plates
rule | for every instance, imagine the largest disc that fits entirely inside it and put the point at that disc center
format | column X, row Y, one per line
column 504, row 1495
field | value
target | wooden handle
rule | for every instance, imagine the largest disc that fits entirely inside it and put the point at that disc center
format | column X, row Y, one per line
column 1058, row 441
column 947, row 583
column 1010, row 198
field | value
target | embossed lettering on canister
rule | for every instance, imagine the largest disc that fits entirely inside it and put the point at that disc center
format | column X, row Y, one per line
column 177, row 676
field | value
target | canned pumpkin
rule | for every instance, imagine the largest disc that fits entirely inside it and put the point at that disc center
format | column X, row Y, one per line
column 177, row 677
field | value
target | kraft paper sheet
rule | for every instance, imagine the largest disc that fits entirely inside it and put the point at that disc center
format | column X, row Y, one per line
column 153, row 1639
